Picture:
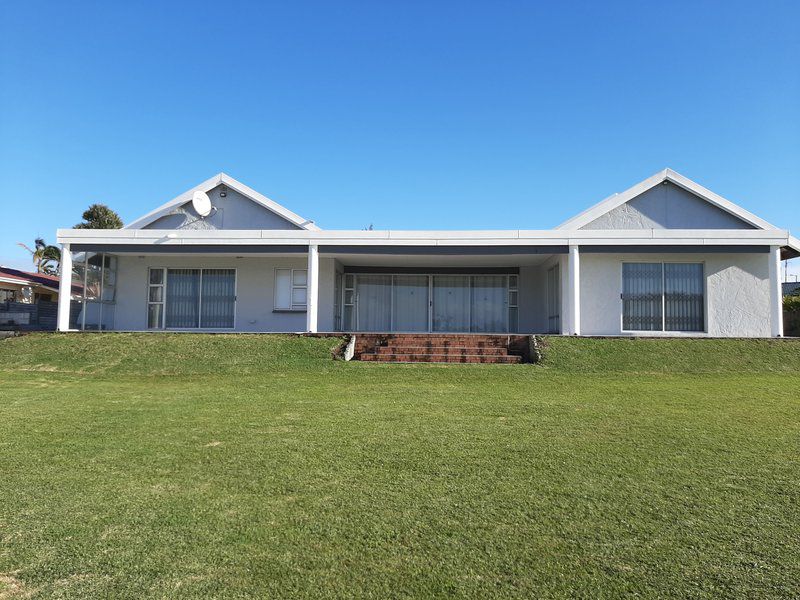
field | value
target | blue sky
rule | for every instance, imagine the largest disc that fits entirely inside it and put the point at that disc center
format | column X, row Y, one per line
column 446, row 115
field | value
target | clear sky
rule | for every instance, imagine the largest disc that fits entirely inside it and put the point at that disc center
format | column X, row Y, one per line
column 404, row 115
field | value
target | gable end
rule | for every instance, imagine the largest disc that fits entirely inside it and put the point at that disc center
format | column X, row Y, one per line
column 667, row 206
column 232, row 210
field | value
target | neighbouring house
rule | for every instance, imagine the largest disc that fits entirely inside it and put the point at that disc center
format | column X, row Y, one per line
column 28, row 300
column 666, row 257
column 791, row 288
column 25, row 287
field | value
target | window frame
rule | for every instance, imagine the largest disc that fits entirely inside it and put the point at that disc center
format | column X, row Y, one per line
column 295, row 308
column 163, row 302
column 663, row 331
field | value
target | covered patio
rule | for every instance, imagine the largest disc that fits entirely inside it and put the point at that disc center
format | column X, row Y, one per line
column 361, row 281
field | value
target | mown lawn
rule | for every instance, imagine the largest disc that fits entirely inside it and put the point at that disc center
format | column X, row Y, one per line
column 192, row 466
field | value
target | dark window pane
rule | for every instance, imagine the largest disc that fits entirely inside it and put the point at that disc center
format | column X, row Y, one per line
column 183, row 298
column 684, row 300
column 642, row 296
column 218, row 298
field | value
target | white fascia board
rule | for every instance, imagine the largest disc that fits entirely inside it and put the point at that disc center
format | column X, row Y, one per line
column 210, row 184
column 432, row 238
column 617, row 200
column 15, row 281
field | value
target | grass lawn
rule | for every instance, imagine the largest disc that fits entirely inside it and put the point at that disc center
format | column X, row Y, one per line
column 192, row 466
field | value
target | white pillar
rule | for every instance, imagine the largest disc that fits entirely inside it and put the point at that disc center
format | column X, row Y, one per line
column 776, row 293
column 574, row 285
column 313, row 289
column 64, row 288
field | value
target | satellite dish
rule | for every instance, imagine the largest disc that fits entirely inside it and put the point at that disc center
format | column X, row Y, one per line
column 201, row 203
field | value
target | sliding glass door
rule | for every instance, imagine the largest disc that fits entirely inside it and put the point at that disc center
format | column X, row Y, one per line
column 451, row 303
column 410, row 303
column 489, row 308
column 430, row 303
column 191, row 298
column 374, row 302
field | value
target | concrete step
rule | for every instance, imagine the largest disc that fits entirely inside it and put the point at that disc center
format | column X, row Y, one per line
column 441, row 358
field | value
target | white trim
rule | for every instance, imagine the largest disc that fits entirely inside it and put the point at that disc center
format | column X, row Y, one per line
column 64, row 288
column 574, row 278
column 776, row 292
column 237, row 186
column 270, row 237
column 584, row 218
column 312, row 289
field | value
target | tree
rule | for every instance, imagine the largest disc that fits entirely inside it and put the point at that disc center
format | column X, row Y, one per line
column 45, row 257
column 99, row 216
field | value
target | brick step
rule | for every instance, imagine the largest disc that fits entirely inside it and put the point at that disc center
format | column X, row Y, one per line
column 441, row 358
column 455, row 350
column 443, row 341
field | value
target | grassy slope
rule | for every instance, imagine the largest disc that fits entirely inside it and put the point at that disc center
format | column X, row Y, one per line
column 129, row 468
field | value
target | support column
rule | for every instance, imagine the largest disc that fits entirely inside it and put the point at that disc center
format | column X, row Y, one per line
column 776, row 293
column 574, row 285
column 64, row 288
column 312, row 292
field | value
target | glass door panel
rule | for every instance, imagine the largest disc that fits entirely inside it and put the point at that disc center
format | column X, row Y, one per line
column 451, row 303
column 374, row 302
column 489, row 311
column 410, row 303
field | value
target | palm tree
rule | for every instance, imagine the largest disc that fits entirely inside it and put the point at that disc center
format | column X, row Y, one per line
column 45, row 257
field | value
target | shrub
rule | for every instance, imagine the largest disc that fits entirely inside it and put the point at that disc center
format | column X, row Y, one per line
column 791, row 303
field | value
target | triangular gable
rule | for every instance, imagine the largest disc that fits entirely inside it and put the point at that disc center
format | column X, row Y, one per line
column 667, row 200
column 177, row 209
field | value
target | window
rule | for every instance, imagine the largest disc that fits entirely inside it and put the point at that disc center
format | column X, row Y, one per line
column 422, row 302
column 513, row 302
column 337, row 302
column 291, row 289
column 348, row 302
column 663, row 297
column 155, row 299
column 191, row 298
column 95, row 276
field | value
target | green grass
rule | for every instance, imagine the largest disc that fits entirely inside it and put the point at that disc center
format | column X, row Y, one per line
column 192, row 466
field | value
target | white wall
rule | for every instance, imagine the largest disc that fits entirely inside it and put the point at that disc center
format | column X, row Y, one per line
column 255, row 280
column 737, row 292
column 533, row 295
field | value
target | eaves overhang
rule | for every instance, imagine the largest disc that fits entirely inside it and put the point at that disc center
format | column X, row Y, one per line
column 190, row 241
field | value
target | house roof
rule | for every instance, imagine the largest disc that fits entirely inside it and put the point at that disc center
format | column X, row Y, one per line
column 570, row 232
column 612, row 202
column 9, row 275
column 230, row 182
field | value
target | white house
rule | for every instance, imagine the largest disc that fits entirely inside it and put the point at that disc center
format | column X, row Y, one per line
column 666, row 257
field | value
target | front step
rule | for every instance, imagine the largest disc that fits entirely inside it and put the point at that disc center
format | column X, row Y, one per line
column 441, row 358
column 441, row 348
column 454, row 350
